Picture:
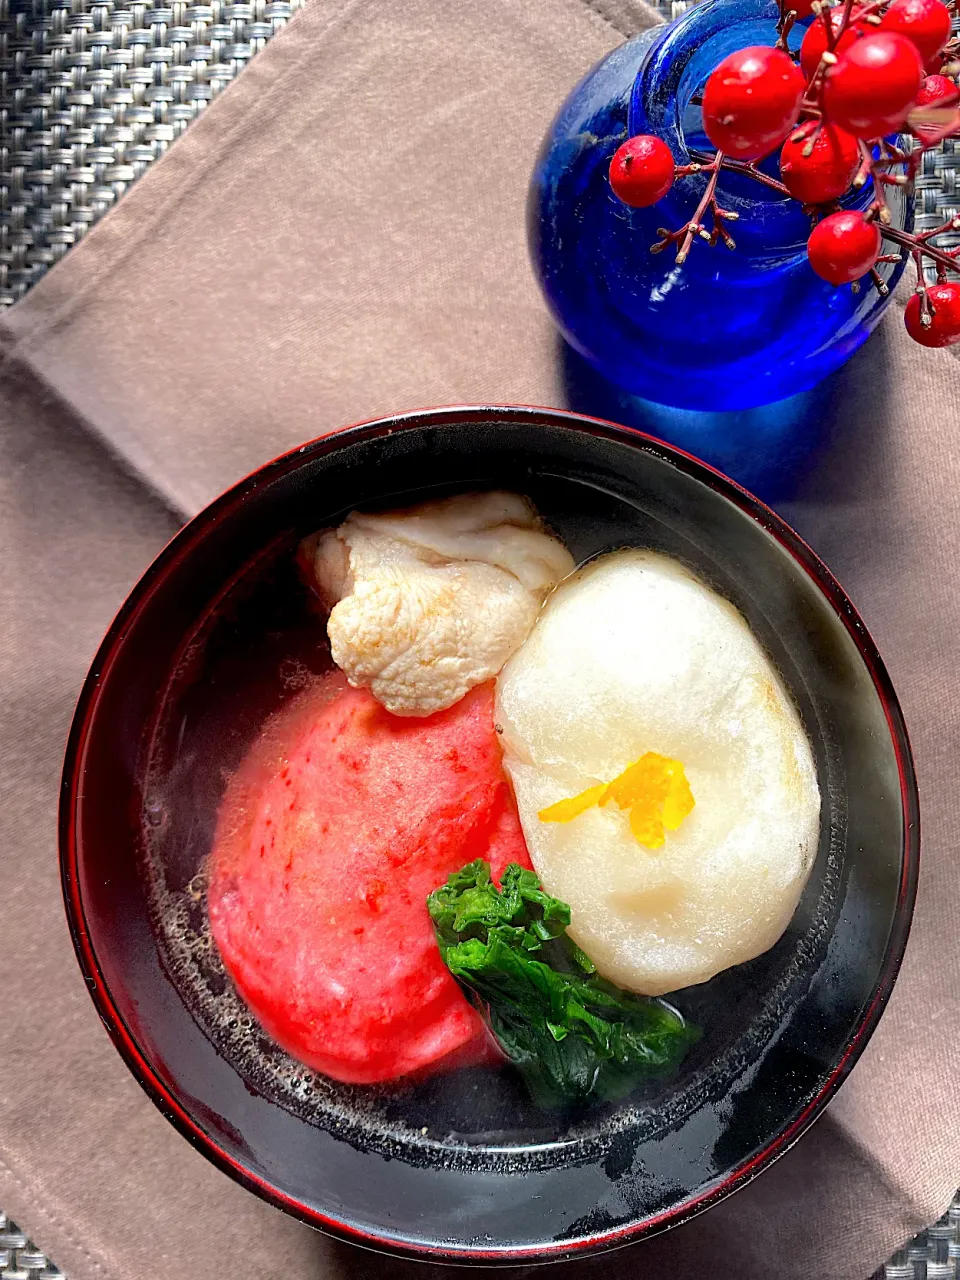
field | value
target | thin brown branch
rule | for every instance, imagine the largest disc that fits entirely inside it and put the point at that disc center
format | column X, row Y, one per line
column 879, row 283
column 951, row 224
column 833, row 38
column 920, row 250
column 684, row 236
column 784, row 27
column 749, row 169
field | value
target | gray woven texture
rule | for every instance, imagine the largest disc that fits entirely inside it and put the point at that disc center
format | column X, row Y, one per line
column 933, row 1255
column 938, row 191
column 938, row 199
column 19, row 1258
column 91, row 93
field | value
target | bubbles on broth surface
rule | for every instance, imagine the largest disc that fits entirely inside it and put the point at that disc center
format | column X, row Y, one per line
column 261, row 644
column 440, row 1119
column 195, row 966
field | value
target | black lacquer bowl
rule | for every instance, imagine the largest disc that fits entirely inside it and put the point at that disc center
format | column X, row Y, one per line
column 462, row 1166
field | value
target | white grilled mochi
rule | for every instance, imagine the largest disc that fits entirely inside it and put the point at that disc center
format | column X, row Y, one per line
column 633, row 654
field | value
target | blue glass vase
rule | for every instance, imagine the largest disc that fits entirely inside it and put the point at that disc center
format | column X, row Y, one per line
column 727, row 329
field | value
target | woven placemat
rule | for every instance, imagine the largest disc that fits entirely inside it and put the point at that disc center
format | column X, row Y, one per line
column 933, row 1255
column 20, row 1259
column 938, row 193
column 91, row 93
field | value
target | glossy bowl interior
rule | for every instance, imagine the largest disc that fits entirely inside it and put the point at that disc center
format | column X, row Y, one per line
column 462, row 1166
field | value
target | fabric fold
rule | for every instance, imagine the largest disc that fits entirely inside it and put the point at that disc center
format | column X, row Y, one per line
column 340, row 235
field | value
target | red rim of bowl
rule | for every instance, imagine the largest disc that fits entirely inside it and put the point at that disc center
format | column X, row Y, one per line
column 123, row 1038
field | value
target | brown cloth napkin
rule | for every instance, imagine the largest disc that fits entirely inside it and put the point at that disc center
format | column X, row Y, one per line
column 341, row 235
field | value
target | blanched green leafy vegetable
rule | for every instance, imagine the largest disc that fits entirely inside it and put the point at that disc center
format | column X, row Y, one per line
column 569, row 1031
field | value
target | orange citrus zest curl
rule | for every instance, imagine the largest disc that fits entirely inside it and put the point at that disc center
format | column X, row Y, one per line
column 655, row 790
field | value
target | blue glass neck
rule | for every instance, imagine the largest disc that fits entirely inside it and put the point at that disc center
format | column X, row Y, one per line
column 683, row 55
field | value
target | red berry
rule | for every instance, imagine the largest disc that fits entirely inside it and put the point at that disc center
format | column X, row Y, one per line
column 641, row 171
column 939, row 93
column 843, row 247
column 814, row 44
column 751, row 102
column 871, row 89
column 924, row 22
column 824, row 174
column 944, row 327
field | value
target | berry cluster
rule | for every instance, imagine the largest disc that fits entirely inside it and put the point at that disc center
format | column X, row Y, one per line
column 866, row 72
